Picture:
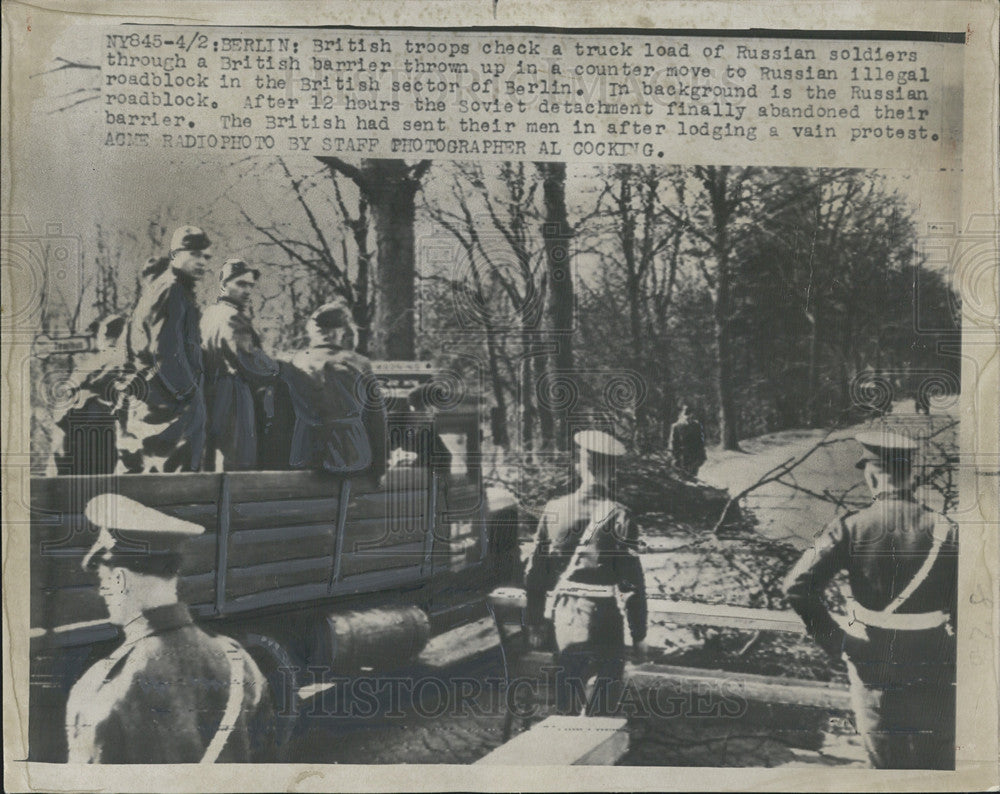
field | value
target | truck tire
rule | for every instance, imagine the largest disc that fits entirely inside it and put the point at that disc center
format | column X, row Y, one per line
column 282, row 670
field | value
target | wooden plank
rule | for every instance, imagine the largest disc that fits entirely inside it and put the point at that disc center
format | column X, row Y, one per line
column 262, row 599
column 283, row 513
column 689, row 613
column 277, row 575
column 405, row 478
column 377, row 580
column 257, row 546
column 251, row 486
column 736, row 686
column 197, row 589
column 368, row 534
column 565, row 741
column 389, row 558
column 67, row 605
column 84, row 633
column 382, row 505
column 70, row 494
column 725, row 616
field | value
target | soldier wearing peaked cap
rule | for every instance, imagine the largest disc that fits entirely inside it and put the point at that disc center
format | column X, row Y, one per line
column 236, row 367
column 898, row 636
column 170, row 693
column 585, row 562
column 165, row 428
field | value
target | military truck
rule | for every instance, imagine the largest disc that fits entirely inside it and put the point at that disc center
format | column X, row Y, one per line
column 305, row 569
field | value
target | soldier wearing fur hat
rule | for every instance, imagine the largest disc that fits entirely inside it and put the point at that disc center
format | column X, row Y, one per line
column 170, row 693
column 235, row 367
column 584, row 562
column 898, row 636
column 340, row 414
column 165, row 428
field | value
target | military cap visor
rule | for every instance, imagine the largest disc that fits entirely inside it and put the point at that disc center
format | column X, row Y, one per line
column 234, row 268
column 135, row 536
column 189, row 238
column 332, row 315
column 886, row 448
column 599, row 443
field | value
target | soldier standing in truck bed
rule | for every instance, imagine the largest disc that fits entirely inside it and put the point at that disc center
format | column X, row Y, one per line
column 586, row 558
column 170, row 693
column 235, row 367
column 165, row 427
column 340, row 416
column 898, row 639
column 88, row 427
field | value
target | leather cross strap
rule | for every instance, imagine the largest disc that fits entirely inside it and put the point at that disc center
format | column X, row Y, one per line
column 234, row 655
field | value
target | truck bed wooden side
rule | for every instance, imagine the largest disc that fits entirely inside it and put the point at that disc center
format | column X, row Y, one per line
column 271, row 538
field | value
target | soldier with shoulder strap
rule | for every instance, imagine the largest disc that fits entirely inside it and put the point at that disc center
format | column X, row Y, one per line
column 170, row 693
column 585, row 561
column 898, row 635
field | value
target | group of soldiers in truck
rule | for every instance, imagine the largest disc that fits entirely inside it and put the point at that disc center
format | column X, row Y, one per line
column 182, row 390
column 203, row 390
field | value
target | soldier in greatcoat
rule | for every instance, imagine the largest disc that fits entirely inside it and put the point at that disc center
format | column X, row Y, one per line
column 235, row 368
column 170, row 693
column 88, row 428
column 898, row 637
column 340, row 415
column 585, row 561
column 166, row 423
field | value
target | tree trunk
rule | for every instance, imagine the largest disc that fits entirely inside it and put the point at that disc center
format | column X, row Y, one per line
column 812, row 381
column 391, row 193
column 498, row 425
column 718, row 187
column 724, row 371
column 362, row 309
column 527, row 389
column 557, row 236
column 390, row 188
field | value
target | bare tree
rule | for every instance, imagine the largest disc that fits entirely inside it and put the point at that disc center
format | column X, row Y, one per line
column 390, row 187
column 322, row 254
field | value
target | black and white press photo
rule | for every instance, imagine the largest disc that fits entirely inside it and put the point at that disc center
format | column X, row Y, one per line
column 497, row 398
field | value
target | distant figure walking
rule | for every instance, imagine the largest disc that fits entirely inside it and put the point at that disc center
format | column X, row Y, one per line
column 687, row 443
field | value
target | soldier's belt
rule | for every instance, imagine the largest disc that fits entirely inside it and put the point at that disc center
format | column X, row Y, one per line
column 894, row 621
column 587, row 590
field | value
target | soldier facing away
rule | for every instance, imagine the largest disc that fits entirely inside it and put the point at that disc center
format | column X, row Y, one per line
column 235, row 367
column 170, row 693
column 898, row 639
column 585, row 558
column 340, row 415
column 165, row 427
